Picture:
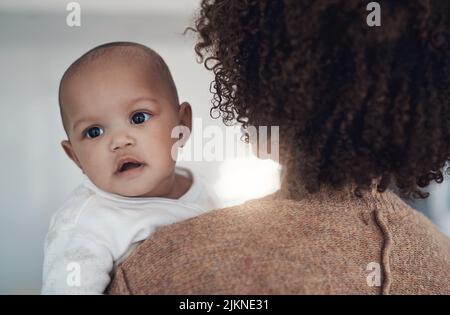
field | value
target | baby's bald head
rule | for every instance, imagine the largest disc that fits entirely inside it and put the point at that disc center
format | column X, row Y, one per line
column 106, row 53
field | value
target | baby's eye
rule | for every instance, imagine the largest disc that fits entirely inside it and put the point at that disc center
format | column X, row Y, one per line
column 94, row 132
column 140, row 117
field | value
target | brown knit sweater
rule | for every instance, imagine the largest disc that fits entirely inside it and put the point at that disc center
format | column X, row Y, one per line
column 329, row 242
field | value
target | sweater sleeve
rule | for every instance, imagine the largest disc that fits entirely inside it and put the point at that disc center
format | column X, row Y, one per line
column 75, row 264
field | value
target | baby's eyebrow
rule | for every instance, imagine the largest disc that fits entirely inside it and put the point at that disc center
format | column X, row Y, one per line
column 141, row 99
column 80, row 121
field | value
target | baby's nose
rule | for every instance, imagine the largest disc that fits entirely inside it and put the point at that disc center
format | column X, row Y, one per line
column 116, row 147
column 121, row 141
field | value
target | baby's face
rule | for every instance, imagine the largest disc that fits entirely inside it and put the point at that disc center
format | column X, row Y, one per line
column 119, row 109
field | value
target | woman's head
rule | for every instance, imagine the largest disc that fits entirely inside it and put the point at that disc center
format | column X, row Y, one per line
column 354, row 103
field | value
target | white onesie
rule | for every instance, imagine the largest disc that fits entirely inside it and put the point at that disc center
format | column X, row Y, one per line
column 95, row 230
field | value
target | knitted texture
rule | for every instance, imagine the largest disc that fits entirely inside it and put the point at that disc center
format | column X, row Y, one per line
column 329, row 242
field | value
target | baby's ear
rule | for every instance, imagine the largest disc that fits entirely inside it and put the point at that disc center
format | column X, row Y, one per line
column 185, row 114
column 67, row 146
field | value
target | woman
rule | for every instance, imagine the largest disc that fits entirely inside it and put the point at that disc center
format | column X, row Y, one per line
column 361, row 110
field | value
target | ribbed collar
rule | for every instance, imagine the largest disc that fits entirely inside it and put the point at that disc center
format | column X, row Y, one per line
column 295, row 190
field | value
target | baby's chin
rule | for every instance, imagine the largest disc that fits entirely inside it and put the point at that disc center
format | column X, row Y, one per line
column 143, row 187
column 134, row 190
column 143, row 184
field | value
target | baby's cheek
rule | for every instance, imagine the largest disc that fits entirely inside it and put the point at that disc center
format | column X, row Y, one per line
column 98, row 168
column 165, row 140
column 166, row 152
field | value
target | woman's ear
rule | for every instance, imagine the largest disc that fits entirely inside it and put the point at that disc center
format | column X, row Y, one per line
column 185, row 116
column 67, row 146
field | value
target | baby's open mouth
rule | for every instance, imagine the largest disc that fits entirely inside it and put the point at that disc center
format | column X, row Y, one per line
column 128, row 166
column 128, row 163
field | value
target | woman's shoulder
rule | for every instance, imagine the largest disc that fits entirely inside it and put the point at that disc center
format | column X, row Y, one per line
column 412, row 231
column 316, row 240
column 377, row 218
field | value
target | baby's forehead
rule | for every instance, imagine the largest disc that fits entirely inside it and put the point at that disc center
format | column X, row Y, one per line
column 143, row 56
column 122, row 53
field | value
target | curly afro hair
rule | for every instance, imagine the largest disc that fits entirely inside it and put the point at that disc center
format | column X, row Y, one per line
column 354, row 103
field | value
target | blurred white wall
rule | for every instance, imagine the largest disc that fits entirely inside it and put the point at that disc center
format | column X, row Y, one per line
column 36, row 47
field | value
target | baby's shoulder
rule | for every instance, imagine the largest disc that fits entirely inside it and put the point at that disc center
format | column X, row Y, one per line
column 68, row 213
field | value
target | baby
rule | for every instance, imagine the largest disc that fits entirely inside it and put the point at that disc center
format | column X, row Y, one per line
column 118, row 105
